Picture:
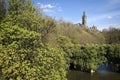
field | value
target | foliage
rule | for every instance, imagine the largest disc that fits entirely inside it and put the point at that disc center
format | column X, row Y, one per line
column 23, row 55
column 19, row 6
column 22, row 48
column 88, row 56
column 112, row 35
column 113, row 55
column 2, row 9
column 77, row 34
column 24, row 41
column 48, row 27
column 51, row 63
column 66, row 45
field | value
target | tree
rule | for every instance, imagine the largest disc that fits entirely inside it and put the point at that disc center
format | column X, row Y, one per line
column 112, row 35
column 87, row 57
column 19, row 6
column 48, row 27
column 2, row 9
column 21, row 48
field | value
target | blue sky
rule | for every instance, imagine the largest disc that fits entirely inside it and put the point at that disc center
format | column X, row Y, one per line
column 101, row 13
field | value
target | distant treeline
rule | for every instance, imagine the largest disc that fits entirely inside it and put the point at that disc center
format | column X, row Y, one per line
column 112, row 35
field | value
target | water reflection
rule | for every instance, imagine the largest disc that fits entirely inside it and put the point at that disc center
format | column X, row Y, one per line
column 102, row 75
column 104, row 72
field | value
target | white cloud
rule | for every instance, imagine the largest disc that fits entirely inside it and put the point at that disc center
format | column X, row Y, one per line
column 48, row 11
column 38, row 3
column 109, row 17
column 49, row 8
column 105, row 19
column 59, row 9
column 44, row 6
column 103, row 16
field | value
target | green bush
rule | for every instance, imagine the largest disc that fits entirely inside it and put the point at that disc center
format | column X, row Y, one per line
column 88, row 56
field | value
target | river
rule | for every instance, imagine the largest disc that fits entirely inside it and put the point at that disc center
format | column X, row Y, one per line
column 99, row 75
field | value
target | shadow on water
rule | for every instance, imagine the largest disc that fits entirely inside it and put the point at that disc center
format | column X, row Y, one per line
column 104, row 72
column 106, row 67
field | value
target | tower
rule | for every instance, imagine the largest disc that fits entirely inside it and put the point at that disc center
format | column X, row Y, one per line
column 84, row 19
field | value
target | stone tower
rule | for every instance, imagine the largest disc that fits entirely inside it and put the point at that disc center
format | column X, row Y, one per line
column 84, row 19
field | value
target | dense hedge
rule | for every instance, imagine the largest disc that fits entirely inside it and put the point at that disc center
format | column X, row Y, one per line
column 87, row 57
column 113, row 55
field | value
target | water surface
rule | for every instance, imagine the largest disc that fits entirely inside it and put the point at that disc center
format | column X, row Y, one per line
column 99, row 75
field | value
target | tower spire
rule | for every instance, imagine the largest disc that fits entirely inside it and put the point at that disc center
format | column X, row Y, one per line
column 84, row 19
column 83, row 13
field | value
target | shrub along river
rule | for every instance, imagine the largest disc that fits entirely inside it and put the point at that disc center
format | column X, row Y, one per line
column 102, row 73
